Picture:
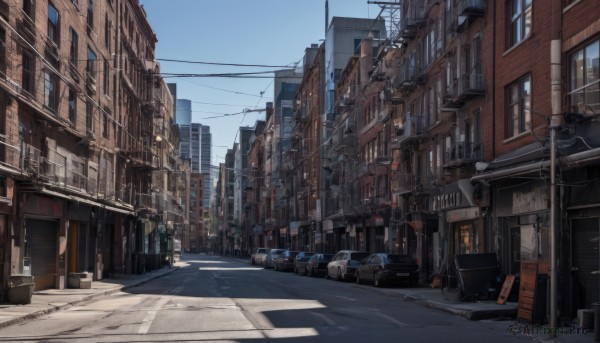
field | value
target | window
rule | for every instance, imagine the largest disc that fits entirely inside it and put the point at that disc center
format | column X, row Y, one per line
column 105, row 126
column 520, row 25
column 519, row 107
column 72, row 106
column 106, row 73
column 73, row 46
column 89, row 116
column 107, row 29
column 90, row 16
column 53, row 24
column 584, row 79
column 27, row 72
column 50, row 90
column 28, row 8
column 91, row 63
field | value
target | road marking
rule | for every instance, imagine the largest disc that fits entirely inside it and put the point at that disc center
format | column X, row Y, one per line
column 176, row 290
column 326, row 319
column 147, row 322
column 344, row 297
column 391, row 319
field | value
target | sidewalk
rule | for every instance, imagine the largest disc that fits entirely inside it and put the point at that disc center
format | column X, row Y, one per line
column 51, row 300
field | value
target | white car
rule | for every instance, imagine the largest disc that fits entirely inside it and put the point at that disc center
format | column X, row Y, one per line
column 259, row 256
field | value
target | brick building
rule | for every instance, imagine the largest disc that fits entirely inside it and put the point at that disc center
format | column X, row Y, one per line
column 86, row 142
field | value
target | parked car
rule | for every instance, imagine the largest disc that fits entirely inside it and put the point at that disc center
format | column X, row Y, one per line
column 285, row 261
column 382, row 269
column 272, row 254
column 343, row 264
column 317, row 264
column 258, row 255
column 300, row 262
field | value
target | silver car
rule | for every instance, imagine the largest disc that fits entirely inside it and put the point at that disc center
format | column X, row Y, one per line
column 272, row 254
column 258, row 256
column 343, row 264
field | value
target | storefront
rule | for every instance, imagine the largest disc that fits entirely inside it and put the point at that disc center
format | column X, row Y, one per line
column 522, row 225
column 460, row 228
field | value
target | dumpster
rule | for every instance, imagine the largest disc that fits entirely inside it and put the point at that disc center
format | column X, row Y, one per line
column 20, row 289
column 476, row 275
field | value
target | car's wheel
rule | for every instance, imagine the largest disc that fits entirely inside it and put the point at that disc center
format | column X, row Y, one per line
column 309, row 272
column 339, row 274
column 253, row 262
column 377, row 280
column 295, row 270
column 358, row 280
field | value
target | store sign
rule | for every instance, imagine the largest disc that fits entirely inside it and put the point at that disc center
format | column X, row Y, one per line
column 446, row 201
column 461, row 214
column 524, row 202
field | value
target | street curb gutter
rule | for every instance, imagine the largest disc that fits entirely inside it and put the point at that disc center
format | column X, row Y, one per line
column 56, row 308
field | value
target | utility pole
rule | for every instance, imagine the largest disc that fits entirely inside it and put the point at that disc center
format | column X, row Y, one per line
column 555, row 65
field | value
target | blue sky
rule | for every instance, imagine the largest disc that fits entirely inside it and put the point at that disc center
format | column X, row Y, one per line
column 260, row 32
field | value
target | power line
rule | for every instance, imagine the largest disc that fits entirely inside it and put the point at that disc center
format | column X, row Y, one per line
column 291, row 65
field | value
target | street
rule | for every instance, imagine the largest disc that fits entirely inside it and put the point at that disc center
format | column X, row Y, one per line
column 214, row 298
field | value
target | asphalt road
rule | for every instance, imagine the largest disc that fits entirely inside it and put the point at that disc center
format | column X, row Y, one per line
column 219, row 299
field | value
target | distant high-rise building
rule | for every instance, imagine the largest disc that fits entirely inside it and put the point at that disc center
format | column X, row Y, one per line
column 195, row 143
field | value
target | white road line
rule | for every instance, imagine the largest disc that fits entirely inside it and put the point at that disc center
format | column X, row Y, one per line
column 176, row 290
column 391, row 319
column 147, row 322
column 326, row 319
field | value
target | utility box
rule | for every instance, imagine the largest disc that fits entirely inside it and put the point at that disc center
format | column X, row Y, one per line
column 20, row 289
column 80, row 280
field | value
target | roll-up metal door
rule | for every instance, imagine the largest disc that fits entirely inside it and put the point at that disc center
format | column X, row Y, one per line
column 585, row 256
column 41, row 235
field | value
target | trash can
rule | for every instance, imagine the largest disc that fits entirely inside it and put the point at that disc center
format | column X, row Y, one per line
column 476, row 275
column 20, row 289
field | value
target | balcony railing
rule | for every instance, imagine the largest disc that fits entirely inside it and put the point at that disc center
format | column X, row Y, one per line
column 406, row 79
column 9, row 154
column 471, row 84
column 144, row 158
column 463, row 152
column 412, row 128
column 471, row 7
column 145, row 201
column 124, row 193
column 403, row 183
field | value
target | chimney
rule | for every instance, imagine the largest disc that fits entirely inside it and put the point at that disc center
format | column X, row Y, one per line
column 366, row 57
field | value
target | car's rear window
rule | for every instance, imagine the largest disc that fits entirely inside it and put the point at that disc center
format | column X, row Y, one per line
column 399, row 259
column 262, row 251
column 359, row 256
column 325, row 257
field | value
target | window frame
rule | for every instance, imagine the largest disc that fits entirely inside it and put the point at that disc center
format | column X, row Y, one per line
column 51, row 90
column 90, row 16
column 72, row 105
column 523, row 117
column 519, row 20
column 27, row 72
column 53, row 28
column 90, row 68
column 73, row 46
column 580, row 86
